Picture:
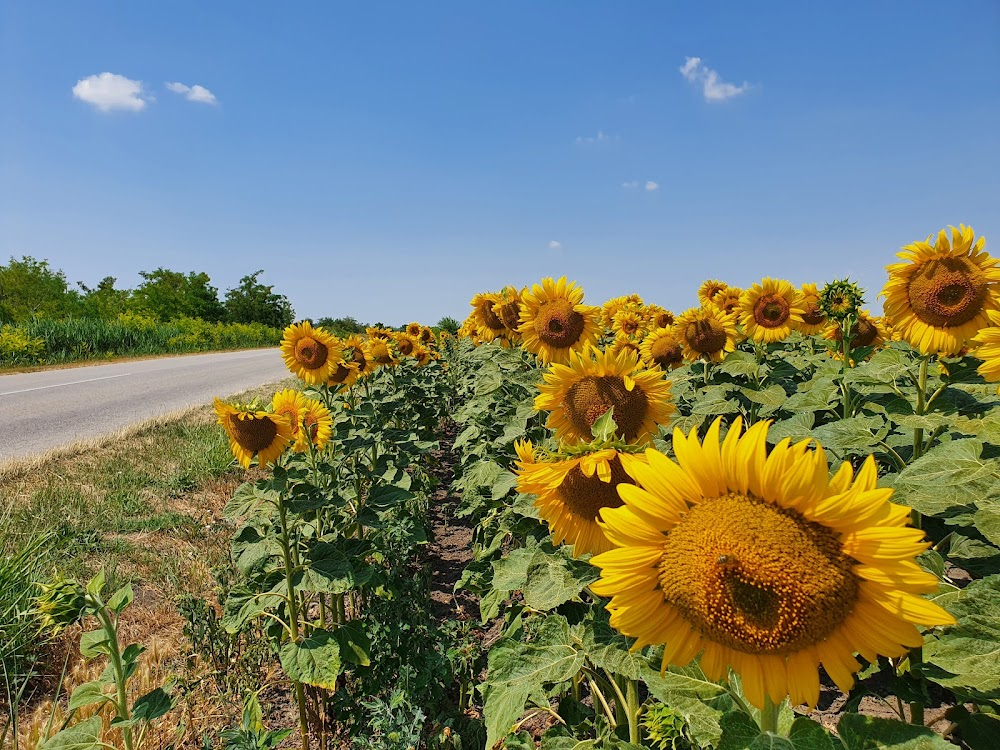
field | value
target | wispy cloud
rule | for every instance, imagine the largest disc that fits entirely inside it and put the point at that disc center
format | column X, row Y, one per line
column 589, row 140
column 714, row 88
column 110, row 91
column 652, row 186
column 193, row 93
column 554, row 245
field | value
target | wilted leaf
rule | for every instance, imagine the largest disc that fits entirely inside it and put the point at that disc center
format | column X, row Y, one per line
column 313, row 661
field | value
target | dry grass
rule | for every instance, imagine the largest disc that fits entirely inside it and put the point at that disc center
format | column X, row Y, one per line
column 145, row 505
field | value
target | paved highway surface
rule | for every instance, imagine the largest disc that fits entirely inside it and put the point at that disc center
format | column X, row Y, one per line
column 44, row 410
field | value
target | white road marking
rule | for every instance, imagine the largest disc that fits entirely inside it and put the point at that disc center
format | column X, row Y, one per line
column 60, row 385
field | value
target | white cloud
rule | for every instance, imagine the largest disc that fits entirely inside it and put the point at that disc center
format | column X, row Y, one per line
column 194, row 93
column 588, row 140
column 714, row 89
column 651, row 186
column 554, row 245
column 110, row 91
column 630, row 184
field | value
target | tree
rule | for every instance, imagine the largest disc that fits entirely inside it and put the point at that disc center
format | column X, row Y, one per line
column 341, row 326
column 104, row 301
column 169, row 294
column 253, row 302
column 449, row 324
column 29, row 287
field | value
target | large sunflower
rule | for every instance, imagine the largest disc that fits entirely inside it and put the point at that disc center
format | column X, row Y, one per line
column 579, row 394
column 413, row 328
column 813, row 317
column 311, row 353
column 764, row 564
column 380, row 353
column 942, row 295
column 571, row 490
column 709, row 289
column 988, row 349
column 770, row 310
column 705, row 333
column 660, row 347
column 253, row 432
column 555, row 322
column 488, row 323
column 405, row 343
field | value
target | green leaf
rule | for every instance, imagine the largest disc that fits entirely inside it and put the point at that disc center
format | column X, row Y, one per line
column 82, row 736
column 979, row 730
column 688, row 691
column 987, row 522
column 330, row 571
column 553, row 578
column 796, row 428
column 852, row 435
column 859, row 732
column 605, row 427
column 609, row 649
column 770, row 399
column 94, row 643
column 740, row 364
column 121, row 599
column 503, row 706
column 819, row 394
column 354, row 643
column 87, row 694
column 503, row 485
column 154, row 704
column 949, row 479
column 383, row 497
column 966, row 657
column 96, row 584
column 313, row 661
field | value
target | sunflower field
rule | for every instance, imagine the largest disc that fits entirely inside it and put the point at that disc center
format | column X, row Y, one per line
column 769, row 521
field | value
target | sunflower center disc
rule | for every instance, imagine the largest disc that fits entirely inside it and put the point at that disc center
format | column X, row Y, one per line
column 630, row 327
column 813, row 316
column 585, row 496
column 358, row 357
column 705, row 336
column 771, row 311
column 590, row 397
column 756, row 577
column 491, row 318
column 947, row 292
column 664, row 320
column 340, row 375
column 510, row 314
column 405, row 347
column 665, row 352
column 253, row 434
column 558, row 324
column 310, row 353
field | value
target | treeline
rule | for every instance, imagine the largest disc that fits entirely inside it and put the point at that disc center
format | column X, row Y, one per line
column 31, row 289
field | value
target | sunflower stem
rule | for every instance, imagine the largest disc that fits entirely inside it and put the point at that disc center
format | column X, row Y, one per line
column 846, row 327
column 769, row 716
column 920, row 407
column 293, row 618
column 633, row 706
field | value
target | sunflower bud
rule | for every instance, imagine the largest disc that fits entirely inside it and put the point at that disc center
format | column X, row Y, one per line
column 61, row 604
column 666, row 728
column 840, row 299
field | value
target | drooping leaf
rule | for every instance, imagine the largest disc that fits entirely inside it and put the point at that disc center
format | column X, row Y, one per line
column 355, row 645
column 154, row 704
column 859, row 732
column 87, row 694
column 313, row 661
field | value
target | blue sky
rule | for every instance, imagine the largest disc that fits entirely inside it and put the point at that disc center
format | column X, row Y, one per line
column 389, row 160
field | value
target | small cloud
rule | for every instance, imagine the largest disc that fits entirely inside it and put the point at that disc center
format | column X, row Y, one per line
column 194, row 93
column 630, row 184
column 652, row 186
column 714, row 89
column 589, row 140
column 110, row 91
column 554, row 245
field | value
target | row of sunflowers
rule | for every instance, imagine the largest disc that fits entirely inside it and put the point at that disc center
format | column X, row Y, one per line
column 719, row 487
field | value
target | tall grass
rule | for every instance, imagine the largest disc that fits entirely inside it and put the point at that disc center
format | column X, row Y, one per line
column 47, row 341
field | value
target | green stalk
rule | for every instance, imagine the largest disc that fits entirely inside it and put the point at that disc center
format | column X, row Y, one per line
column 293, row 616
column 110, row 629
column 845, row 341
column 918, row 432
column 632, row 706
column 769, row 716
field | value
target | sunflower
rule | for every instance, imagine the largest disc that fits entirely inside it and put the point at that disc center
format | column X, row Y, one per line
column 374, row 332
column 413, row 329
column 405, row 343
column 705, row 333
column 616, row 304
column 988, row 349
column 311, row 353
column 770, row 310
column 571, row 491
column 355, row 354
column 629, row 323
column 942, row 295
column 624, row 344
column 813, row 317
column 317, row 426
column 579, row 394
column 657, row 317
column 508, row 309
column 422, row 355
column 660, row 347
column 426, row 335
column 290, row 404
column 346, row 375
column 488, row 323
column 380, row 353
column 254, row 433
column 709, row 288
column 866, row 331
column 728, row 300
column 764, row 564
column 555, row 322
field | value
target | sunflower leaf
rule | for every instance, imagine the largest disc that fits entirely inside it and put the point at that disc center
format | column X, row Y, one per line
column 605, row 427
column 313, row 661
column 859, row 732
column 949, row 479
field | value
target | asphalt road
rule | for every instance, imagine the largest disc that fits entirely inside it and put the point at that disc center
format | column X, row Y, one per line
column 44, row 410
